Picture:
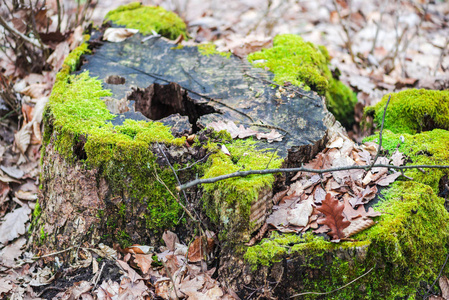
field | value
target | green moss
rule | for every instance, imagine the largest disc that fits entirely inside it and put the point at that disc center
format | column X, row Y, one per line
column 306, row 65
column 413, row 111
column 426, row 148
column 210, row 49
column 407, row 246
column 76, row 115
column 228, row 202
column 148, row 19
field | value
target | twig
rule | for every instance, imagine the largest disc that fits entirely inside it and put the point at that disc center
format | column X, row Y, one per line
column 17, row 33
column 301, row 169
column 382, row 11
column 171, row 278
column 198, row 161
column 380, row 134
column 177, row 200
column 99, row 275
column 438, row 277
column 337, row 289
column 54, row 253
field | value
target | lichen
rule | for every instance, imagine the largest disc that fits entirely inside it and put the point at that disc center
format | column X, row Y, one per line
column 211, row 49
column 304, row 64
column 148, row 19
column 413, row 111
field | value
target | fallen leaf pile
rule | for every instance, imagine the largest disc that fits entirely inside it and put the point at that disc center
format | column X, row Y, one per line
column 178, row 272
column 334, row 202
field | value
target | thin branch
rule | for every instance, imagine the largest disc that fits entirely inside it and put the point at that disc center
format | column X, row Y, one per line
column 176, row 198
column 170, row 277
column 17, row 33
column 301, row 169
column 337, row 289
column 54, row 253
column 380, row 134
column 438, row 277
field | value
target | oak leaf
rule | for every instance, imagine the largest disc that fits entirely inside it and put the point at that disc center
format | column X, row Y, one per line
column 334, row 218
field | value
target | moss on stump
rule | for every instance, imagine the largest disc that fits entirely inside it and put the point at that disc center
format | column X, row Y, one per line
column 304, row 64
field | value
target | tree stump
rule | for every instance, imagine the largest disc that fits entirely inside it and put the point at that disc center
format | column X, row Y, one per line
column 109, row 171
column 112, row 159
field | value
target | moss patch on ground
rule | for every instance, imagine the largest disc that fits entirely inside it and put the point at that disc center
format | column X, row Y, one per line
column 413, row 111
column 304, row 64
column 148, row 19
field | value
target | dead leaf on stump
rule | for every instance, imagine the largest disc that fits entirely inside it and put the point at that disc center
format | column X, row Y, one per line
column 334, row 218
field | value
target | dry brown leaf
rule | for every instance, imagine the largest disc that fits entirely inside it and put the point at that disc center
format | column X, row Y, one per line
column 144, row 261
column 11, row 252
column 78, row 288
column 5, row 286
column 130, row 272
column 358, row 225
column 117, row 35
column 139, row 249
column 272, row 136
column 299, row 216
column 196, row 252
column 397, row 158
column 385, row 181
column 364, row 197
column 170, row 239
column 319, row 195
column 334, row 218
column 130, row 289
column 28, row 196
column 14, row 224
column 444, row 286
column 22, row 138
column 368, row 178
column 351, row 213
column 107, row 290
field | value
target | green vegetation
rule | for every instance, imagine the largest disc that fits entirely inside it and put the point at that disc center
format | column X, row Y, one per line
column 148, row 19
column 411, row 240
column 413, row 111
column 228, row 202
column 306, row 65
column 407, row 246
column 210, row 49
column 426, row 148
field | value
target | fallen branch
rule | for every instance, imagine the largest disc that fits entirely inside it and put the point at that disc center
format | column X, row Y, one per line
column 301, row 169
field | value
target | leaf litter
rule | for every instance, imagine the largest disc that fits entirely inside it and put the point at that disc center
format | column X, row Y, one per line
column 334, row 203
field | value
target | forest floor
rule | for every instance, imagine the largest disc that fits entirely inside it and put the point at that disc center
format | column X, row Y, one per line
column 377, row 46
